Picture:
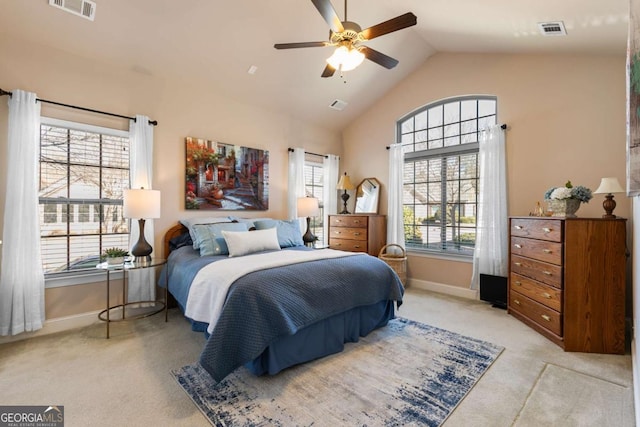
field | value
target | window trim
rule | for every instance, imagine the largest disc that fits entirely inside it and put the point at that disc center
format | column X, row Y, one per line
column 83, row 277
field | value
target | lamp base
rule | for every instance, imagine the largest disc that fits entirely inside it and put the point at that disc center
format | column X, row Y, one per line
column 142, row 249
column 609, row 205
column 344, row 197
column 308, row 237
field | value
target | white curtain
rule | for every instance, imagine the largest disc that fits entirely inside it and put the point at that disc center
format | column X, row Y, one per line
column 296, row 181
column 395, row 217
column 22, row 277
column 142, row 285
column 331, row 168
column 490, row 254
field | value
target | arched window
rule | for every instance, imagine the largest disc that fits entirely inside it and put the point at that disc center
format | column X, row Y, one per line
column 440, row 184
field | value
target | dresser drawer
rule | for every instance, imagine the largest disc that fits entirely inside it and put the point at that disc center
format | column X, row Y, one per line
column 544, row 272
column 348, row 221
column 543, row 229
column 348, row 245
column 541, row 250
column 348, row 233
column 544, row 294
column 538, row 313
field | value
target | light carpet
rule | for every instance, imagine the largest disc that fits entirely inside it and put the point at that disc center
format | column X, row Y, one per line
column 565, row 397
column 406, row 373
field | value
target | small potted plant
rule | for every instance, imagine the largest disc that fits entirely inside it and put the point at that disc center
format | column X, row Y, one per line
column 115, row 256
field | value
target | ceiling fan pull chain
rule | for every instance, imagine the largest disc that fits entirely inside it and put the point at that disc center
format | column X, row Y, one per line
column 345, row 10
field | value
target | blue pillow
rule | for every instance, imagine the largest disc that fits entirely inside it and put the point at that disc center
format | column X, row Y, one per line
column 289, row 233
column 210, row 239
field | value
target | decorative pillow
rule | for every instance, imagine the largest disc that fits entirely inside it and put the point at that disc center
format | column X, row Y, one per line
column 288, row 231
column 249, row 221
column 210, row 238
column 245, row 243
column 180, row 241
column 190, row 222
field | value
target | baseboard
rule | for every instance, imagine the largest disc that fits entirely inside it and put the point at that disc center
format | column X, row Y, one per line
column 443, row 289
column 59, row 324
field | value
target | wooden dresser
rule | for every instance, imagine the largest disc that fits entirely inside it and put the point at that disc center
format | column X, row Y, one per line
column 567, row 280
column 358, row 232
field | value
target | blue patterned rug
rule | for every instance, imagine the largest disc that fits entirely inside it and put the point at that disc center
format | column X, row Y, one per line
column 406, row 373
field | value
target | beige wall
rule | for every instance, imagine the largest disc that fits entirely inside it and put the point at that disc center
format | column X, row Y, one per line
column 566, row 118
column 183, row 107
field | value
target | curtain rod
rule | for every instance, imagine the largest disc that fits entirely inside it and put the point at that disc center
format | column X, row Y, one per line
column 151, row 122
column 502, row 126
column 291, row 150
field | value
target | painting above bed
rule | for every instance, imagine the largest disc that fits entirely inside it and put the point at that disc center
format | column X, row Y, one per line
column 223, row 176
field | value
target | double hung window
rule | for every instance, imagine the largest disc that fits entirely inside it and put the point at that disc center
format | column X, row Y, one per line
column 440, row 178
column 83, row 172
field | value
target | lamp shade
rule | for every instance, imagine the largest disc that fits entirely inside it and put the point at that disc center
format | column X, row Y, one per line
column 141, row 203
column 609, row 185
column 345, row 183
column 308, row 206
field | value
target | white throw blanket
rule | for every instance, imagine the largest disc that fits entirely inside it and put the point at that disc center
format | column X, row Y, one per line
column 209, row 288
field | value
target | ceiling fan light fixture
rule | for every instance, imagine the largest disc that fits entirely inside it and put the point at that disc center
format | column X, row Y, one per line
column 345, row 59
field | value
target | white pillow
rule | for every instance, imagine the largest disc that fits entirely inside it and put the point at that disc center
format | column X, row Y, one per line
column 247, row 242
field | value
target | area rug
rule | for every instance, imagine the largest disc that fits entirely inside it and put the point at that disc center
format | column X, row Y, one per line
column 566, row 397
column 406, row 373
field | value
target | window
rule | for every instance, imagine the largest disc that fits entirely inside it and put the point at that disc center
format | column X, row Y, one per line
column 83, row 171
column 440, row 184
column 313, row 185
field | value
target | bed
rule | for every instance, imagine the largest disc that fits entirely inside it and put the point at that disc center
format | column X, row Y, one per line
column 277, row 314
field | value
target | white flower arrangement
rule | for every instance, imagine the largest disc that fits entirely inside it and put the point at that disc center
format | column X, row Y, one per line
column 578, row 192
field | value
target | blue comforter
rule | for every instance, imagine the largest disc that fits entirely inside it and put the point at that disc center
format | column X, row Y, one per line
column 267, row 304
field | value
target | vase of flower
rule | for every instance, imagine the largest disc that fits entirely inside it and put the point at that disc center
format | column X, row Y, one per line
column 565, row 201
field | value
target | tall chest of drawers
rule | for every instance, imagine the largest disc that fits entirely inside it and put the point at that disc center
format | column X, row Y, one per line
column 567, row 280
column 358, row 233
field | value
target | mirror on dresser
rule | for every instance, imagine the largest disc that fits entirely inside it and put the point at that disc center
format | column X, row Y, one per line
column 368, row 196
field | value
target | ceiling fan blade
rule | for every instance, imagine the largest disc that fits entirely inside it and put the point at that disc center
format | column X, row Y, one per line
column 328, row 71
column 386, row 27
column 329, row 14
column 378, row 57
column 302, row 44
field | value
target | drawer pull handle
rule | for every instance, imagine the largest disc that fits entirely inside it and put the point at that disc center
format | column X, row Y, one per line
column 338, row 220
column 338, row 232
column 546, row 295
column 546, row 230
column 518, row 282
column 356, row 221
column 516, row 302
column 518, row 246
column 545, row 317
column 357, row 246
column 548, row 273
column 518, row 227
column 546, row 251
column 356, row 234
column 518, row 263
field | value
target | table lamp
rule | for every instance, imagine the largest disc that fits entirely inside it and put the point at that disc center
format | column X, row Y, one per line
column 609, row 186
column 308, row 207
column 141, row 204
column 345, row 184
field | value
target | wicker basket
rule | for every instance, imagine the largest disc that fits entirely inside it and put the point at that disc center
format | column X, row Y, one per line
column 398, row 262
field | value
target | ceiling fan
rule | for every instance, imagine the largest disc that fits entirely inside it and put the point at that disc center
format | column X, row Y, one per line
column 348, row 37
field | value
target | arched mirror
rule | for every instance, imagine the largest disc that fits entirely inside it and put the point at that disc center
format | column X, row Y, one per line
column 368, row 196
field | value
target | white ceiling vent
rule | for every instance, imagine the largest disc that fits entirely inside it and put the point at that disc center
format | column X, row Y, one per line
column 338, row 105
column 84, row 8
column 552, row 28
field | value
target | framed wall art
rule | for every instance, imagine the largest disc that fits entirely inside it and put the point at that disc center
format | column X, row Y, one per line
column 633, row 100
column 223, row 176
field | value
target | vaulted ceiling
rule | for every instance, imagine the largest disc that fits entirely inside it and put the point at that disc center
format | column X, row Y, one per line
column 214, row 43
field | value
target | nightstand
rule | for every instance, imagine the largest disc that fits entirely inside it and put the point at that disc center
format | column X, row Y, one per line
column 158, row 305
